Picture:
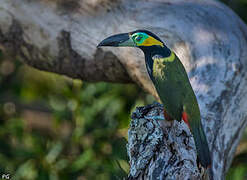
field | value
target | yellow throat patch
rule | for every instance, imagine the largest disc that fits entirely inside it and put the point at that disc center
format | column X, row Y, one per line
column 165, row 59
column 150, row 41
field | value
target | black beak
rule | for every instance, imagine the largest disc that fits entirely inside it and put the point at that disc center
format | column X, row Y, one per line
column 118, row 40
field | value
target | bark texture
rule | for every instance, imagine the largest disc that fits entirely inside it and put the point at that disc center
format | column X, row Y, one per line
column 159, row 149
column 61, row 36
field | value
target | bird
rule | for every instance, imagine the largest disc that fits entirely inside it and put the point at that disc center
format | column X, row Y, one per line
column 171, row 82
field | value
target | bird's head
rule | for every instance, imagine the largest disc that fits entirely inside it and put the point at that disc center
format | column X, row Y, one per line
column 138, row 38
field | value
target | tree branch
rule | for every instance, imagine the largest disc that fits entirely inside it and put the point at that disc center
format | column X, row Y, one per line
column 159, row 149
column 61, row 36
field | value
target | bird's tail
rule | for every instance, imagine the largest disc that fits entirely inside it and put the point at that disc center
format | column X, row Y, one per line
column 201, row 145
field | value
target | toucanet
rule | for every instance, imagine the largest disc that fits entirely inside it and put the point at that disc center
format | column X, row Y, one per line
column 171, row 82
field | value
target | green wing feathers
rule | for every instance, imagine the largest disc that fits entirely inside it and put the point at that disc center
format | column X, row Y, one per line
column 172, row 84
column 174, row 89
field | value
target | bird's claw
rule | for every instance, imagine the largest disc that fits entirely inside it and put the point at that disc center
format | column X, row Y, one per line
column 161, row 118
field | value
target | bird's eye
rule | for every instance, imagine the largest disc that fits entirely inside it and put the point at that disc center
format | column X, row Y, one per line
column 138, row 38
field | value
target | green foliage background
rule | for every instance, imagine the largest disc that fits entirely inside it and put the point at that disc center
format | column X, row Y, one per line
column 53, row 127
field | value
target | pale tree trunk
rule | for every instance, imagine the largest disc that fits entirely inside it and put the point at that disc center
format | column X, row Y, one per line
column 160, row 149
column 61, row 36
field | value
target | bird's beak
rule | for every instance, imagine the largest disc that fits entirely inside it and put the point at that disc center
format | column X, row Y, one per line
column 118, row 40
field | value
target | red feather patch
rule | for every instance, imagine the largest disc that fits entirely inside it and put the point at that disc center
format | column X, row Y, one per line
column 185, row 118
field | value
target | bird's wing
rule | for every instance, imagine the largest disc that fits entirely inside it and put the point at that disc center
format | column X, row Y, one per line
column 171, row 82
column 177, row 95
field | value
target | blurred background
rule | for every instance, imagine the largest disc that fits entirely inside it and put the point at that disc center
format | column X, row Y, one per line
column 54, row 127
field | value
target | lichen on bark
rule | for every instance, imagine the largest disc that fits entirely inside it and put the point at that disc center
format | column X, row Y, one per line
column 159, row 149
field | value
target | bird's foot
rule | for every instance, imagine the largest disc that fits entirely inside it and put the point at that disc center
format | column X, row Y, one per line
column 157, row 118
